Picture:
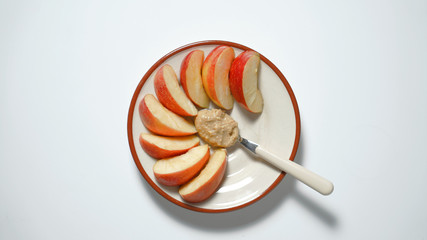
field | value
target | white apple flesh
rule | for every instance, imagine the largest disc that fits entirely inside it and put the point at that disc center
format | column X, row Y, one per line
column 170, row 93
column 207, row 182
column 180, row 169
column 163, row 147
column 160, row 120
column 244, row 81
column 215, row 78
column 191, row 78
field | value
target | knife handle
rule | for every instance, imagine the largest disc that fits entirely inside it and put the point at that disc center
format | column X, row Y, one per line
column 306, row 176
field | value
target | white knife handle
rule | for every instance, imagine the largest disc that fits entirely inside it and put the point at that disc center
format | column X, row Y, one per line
column 311, row 179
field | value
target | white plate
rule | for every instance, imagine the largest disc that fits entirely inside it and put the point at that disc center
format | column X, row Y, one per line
column 247, row 179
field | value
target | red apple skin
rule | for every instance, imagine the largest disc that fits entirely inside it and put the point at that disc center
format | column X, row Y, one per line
column 181, row 177
column 164, row 95
column 183, row 75
column 209, row 188
column 154, row 125
column 208, row 74
column 236, row 77
column 184, row 66
column 158, row 152
column 208, row 81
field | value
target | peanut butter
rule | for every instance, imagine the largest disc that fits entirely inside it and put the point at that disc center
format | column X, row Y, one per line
column 216, row 128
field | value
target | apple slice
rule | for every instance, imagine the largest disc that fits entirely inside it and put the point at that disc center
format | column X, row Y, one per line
column 244, row 81
column 170, row 94
column 164, row 147
column 160, row 120
column 191, row 78
column 206, row 183
column 215, row 76
column 180, row 169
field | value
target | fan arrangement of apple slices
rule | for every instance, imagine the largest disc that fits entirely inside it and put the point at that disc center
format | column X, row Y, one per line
column 220, row 78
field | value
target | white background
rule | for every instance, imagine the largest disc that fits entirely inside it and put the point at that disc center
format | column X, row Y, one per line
column 68, row 70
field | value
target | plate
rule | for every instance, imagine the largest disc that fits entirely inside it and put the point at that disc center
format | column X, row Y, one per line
column 247, row 179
